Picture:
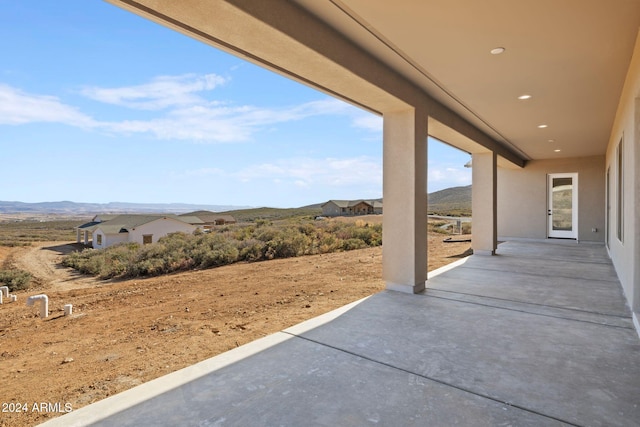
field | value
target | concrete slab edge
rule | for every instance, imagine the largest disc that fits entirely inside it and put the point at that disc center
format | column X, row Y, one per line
column 446, row 268
column 103, row 409
column 421, row 287
column 571, row 242
column 323, row 319
column 636, row 323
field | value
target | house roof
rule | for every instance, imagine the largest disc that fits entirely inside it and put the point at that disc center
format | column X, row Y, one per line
column 126, row 222
column 352, row 203
column 104, row 217
column 209, row 217
column 88, row 225
column 194, row 220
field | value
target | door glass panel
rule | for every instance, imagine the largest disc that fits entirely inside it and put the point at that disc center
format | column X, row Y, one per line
column 562, row 209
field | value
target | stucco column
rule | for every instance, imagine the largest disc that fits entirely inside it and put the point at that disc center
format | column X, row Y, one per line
column 404, row 232
column 86, row 237
column 484, row 204
column 633, row 146
column 78, row 231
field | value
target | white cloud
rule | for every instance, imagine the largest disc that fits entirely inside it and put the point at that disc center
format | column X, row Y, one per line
column 369, row 122
column 206, row 123
column 305, row 172
column 444, row 176
column 161, row 92
column 186, row 114
column 18, row 107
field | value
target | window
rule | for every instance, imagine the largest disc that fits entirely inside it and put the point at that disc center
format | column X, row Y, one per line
column 147, row 239
column 620, row 193
column 99, row 239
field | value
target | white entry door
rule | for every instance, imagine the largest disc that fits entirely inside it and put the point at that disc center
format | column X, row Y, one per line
column 562, row 207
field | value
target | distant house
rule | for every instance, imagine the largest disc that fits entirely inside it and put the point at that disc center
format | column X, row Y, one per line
column 351, row 207
column 108, row 230
column 210, row 219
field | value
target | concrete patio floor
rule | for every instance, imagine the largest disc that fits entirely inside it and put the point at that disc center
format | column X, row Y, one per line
column 538, row 335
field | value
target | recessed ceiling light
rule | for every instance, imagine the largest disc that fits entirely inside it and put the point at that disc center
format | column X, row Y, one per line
column 524, row 96
column 497, row 50
column 552, row 140
column 557, row 150
column 542, row 126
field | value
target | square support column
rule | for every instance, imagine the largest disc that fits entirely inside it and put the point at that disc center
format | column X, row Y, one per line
column 484, row 204
column 404, row 231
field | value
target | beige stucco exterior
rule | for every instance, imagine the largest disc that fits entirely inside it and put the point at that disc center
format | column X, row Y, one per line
column 156, row 229
column 404, row 223
column 103, row 240
column 625, row 253
column 522, row 198
column 483, row 203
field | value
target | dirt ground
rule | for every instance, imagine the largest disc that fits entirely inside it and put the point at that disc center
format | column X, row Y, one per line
column 124, row 333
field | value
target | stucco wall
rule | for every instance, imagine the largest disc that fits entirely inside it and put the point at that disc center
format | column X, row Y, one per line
column 330, row 209
column 159, row 228
column 522, row 197
column 625, row 254
column 108, row 239
column 103, row 240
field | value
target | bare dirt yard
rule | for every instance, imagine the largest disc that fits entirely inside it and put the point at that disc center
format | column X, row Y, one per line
column 124, row 333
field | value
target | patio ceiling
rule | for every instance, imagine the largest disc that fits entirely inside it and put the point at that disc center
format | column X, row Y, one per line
column 571, row 57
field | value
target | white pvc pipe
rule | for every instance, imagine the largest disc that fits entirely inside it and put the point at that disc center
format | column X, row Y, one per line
column 0, row 297
column 13, row 298
column 68, row 309
column 44, row 304
column 5, row 291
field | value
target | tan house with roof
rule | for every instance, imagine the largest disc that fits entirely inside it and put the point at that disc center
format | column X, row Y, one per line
column 211, row 219
column 351, row 207
column 108, row 230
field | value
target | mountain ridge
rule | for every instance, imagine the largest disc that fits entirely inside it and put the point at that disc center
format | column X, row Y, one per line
column 68, row 207
column 449, row 201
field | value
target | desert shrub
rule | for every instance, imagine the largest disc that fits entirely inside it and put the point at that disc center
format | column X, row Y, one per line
column 466, row 228
column 225, row 245
column 213, row 250
column 329, row 243
column 351, row 244
column 251, row 250
column 15, row 279
column 287, row 243
column 262, row 222
column 13, row 244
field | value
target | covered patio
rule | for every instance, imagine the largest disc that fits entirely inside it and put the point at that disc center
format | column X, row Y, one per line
column 537, row 335
column 534, row 331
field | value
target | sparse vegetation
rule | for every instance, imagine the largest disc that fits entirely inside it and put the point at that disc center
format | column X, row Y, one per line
column 23, row 233
column 15, row 279
column 263, row 240
column 251, row 215
column 455, row 201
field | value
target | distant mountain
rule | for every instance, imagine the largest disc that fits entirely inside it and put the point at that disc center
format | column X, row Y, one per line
column 67, row 207
column 451, row 201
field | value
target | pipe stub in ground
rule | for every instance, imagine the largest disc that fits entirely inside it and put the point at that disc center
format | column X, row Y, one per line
column 44, row 304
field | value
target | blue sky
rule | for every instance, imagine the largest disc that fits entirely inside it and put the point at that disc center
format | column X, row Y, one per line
column 100, row 105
